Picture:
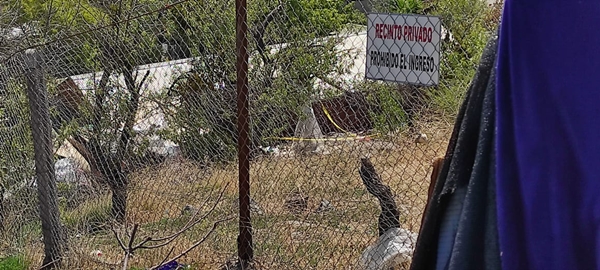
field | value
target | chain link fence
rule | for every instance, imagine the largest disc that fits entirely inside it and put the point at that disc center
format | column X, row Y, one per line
column 131, row 108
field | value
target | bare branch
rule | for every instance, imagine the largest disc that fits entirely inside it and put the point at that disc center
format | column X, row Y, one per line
column 143, row 80
column 190, row 224
column 166, row 257
column 214, row 227
column 258, row 31
column 99, row 95
column 132, row 106
column 131, row 248
column 389, row 217
column 133, row 232
column 119, row 240
column 48, row 264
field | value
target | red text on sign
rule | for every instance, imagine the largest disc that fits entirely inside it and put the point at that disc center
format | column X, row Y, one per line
column 406, row 32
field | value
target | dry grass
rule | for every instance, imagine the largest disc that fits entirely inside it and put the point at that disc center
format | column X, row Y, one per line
column 329, row 240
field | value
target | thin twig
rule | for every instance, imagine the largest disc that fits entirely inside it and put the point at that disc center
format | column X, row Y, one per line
column 125, row 261
column 166, row 257
column 133, row 232
column 143, row 80
column 174, row 236
column 214, row 227
column 191, row 222
column 131, row 248
column 119, row 239
column 44, row 266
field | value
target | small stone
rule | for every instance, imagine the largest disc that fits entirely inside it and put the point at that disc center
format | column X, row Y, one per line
column 298, row 236
column 325, row 206
column 421, row 138
column 188, row 210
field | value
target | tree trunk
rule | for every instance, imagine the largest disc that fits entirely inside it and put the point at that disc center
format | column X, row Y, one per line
column 112, row 172
column 119, row 202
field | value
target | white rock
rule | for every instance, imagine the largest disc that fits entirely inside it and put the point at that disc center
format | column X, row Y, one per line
column 393, row 248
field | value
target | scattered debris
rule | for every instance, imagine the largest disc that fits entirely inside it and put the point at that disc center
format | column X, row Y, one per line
column 173, row 266
column 298, row 236
column 68, row 170
column 324, row 206
column 310, row 133
column 297, row 203
column 234, row 264
column 421, row 138
column 188, row 210
column 74, row 184
column 304, row 225
column 96, row 253
column 270, row 150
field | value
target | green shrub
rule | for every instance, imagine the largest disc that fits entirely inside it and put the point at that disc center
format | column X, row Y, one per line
column 281, row 81
column 471, row 23
column 385, row 104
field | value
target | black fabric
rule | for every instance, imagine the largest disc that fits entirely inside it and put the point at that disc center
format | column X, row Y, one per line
column 468, row 164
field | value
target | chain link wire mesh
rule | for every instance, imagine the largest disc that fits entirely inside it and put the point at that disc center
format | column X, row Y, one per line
column 142, row 100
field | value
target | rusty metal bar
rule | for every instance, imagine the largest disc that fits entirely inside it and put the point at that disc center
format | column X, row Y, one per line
column 245, row 251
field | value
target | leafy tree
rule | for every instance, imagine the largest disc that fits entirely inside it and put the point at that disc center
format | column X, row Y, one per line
column 101, row 124
column 111, row 114
column 292, row 43
column 469, row 23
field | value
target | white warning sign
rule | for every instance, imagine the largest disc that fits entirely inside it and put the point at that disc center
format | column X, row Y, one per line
column 403, row 48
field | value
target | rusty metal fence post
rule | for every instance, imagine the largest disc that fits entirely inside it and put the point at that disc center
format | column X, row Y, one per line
column 245, row 251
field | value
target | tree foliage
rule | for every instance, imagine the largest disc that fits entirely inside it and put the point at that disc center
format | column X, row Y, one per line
column 469, row 23
column 97, row 36
column 292, row 43
column 16, row 156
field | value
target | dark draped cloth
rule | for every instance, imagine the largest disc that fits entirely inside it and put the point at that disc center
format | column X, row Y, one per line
column 459, row 227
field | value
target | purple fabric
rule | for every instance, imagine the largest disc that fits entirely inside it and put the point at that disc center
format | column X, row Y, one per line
column 548, row 135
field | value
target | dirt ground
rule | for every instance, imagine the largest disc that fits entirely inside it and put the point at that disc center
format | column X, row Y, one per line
column 338, row 222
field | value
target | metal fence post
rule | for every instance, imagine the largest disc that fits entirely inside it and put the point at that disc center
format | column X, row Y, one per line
column 245, row 251
column 44, row 165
